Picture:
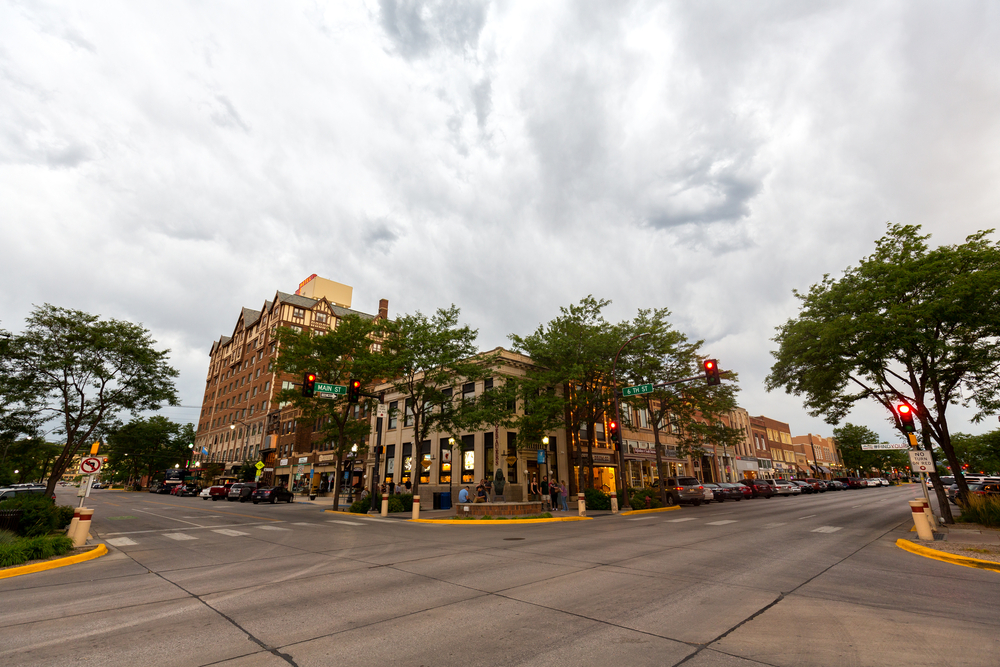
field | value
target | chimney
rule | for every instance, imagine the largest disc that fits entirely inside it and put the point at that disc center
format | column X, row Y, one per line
column 383, row 309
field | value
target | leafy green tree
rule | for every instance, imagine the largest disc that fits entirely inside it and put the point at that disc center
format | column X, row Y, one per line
column 19, row 416
column 349, row 351
column 574, row 352
column 428, row 356
column 85, row 371
column 908, row 324
column 32, row 458
column 145, row 445
column 691, row 411
column 978, row 453
column 849, row 439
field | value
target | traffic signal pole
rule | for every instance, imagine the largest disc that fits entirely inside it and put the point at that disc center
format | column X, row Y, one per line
column 625, row 504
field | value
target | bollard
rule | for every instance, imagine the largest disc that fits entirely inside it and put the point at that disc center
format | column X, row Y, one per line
column 920, row 520
column 72, row 524
column 83, row 527
column 416, row 507
column 931, row 521
column 385, row 504
column 614, row 503
column 581, row 504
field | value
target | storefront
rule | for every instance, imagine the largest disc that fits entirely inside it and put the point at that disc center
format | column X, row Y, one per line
column 605, row 469
column 747, row 467
column 765, row 468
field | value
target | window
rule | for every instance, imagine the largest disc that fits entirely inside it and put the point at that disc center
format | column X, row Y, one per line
column 425, row 456
column 407, row 463
column 320, row 317
column 298, row 313
column 408, row 413
column 468, row 391
column 487, row 384
column 296, row 329
column 468, row 459
column 267, row 385
column 390, row 462
column 444, row 472
column 512, row 452
column 393, row 413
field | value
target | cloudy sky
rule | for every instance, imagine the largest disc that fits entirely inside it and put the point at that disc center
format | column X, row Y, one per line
column 171, row 162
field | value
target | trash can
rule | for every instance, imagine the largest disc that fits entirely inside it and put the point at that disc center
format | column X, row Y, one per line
column 445, row 500
column 436, row 503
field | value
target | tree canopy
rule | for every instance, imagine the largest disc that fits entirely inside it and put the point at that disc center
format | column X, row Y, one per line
column 849, row 439
column 908, row 324
column 85, row 371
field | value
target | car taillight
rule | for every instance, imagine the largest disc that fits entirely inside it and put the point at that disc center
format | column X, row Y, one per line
column 702, row 488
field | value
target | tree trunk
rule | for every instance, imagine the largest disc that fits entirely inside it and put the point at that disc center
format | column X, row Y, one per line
column 591, row 436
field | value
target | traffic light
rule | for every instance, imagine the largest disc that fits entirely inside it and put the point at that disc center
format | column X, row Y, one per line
column 712, row 372
column 354, row 391
column 905, row 413
column 616, row 435
column 309, row 385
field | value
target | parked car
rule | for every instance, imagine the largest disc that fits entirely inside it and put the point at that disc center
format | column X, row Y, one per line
column 155, row 487
column 818, row 485
column 852, row 482
column 804, row 486
column 23, row 490
column 731, row 491
column 785, row 488
column 835, row 485
column 686, row 490
column 708, row 489
column 759, row 488
column 241, row 491
column 272, row 494
column 97, row 485
column 189, row 490
column 218, row 492
column 744, row 489
column 206, row 493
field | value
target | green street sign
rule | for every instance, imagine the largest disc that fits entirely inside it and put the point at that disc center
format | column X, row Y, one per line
column 324, row 390
column 638, row 389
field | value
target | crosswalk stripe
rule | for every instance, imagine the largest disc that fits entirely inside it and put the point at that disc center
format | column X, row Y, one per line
column 826, row 529
column 807, row 516
column 272, row 528
column 121, row 542
column 378, row 520
column 639, row 518
column 228, row 532
column 180, row 536
column 774, row 525
column 303, row 523
column 721, row 523
column 690, row 518
column 347, row 523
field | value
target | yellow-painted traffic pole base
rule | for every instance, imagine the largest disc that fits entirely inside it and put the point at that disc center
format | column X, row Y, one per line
column 499, row 522
column 927, row 552
column 650, row 511
column 97, row 552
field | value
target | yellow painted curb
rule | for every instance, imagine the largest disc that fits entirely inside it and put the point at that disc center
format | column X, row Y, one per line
column 53, row 564
column 657, row 509
column 926, row 552
column 346, row 513
column 505, row 522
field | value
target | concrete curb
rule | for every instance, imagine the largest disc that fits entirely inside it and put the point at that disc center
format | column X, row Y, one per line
column 926, row 552
column 502, row 522
column 658, row 509
column 97, row 552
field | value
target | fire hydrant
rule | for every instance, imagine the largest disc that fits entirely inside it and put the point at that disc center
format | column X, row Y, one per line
column 649, row 502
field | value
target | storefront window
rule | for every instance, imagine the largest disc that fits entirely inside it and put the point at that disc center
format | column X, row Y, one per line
column 444, row 474
column 468, row 459
column 390, row 463
column 406, row 474
column 425, row 462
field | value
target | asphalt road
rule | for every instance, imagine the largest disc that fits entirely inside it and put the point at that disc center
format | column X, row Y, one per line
column 812, row 580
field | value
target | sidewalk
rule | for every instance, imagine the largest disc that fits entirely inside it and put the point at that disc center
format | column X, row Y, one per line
column 327, row 504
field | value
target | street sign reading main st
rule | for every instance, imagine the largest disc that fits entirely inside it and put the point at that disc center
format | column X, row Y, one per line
column 638, row 389
column 324, row 390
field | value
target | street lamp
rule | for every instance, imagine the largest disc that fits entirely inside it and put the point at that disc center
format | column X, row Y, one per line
column 547, row 500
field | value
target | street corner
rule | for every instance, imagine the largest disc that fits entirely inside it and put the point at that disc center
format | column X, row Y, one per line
column 54, row 563
column 945, row 557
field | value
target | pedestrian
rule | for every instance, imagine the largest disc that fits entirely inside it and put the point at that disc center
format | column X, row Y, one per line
column 554, row 492
column 563, row 495
column 463, row 495
column 392, row 487
column 408, row 487
column 533, row 489
column 543, row 489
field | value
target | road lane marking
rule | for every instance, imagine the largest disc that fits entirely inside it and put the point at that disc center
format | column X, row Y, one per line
column 690, row 518
column 272, row 528
column 774, row 525
column 347, row 523
column 303, row 523
column 376, row 520
column 210, row 516
column 721, row 523
column 121, row 542
column 230, row 533
column 825, row 529
column 242, row 516
column 640, row 518
column 808, row 516
column 171, row 518
column 179, row 536
column 160, row 530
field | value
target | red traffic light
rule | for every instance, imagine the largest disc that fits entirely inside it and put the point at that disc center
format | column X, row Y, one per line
column 354, row 391
column 308, row 384
column 905, row 413
column 904, row 409
column 712, row 377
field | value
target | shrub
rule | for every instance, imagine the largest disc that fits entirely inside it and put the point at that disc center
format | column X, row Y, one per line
column 597, row 499
column 65, row 516
column 984, row 510
column 407, row 500
column 361, row 506
column 33, row 548
column 396, row 504
column 638, row 501
column 40, row 516
column 7, row 537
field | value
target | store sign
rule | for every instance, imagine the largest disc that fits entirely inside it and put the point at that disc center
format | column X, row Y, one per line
column 327, row 457
column 303, row 459
column 283, row 462
column 602, row 458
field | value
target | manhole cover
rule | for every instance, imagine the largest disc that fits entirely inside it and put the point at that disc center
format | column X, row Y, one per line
column 512, row 539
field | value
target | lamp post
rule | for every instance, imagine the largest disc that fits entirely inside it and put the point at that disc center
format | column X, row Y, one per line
column 547, row 500
column 451, row 470
column 350, row 477
column 618, row 420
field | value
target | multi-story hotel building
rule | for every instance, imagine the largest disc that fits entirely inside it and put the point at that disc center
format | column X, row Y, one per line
column 240, row 420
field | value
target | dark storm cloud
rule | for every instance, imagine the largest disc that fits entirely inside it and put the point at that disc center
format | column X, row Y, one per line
column 417, row 27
